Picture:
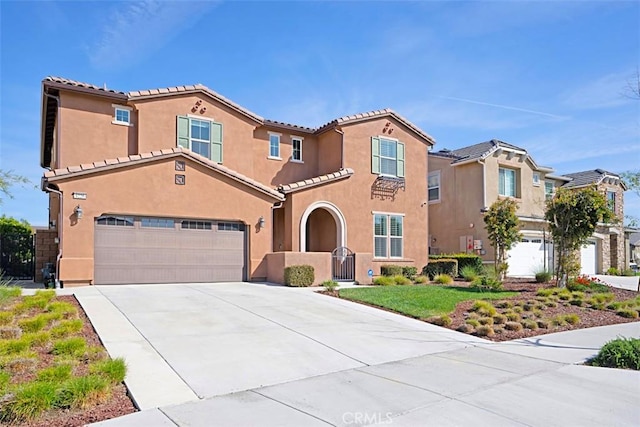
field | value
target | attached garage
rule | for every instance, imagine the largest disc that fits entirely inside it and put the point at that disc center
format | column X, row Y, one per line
column 528, row 257
column 132, row 249
column 588, row 258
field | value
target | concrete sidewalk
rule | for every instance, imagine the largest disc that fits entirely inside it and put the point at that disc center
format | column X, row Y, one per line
column 247, row 354
column 630, row 283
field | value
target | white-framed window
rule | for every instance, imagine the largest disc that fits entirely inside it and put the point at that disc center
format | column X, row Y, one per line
column 121, row 115
column 387, row 235
column 536, row 179
column 296, row 149
column 549, row 189
column 507, row 182
column 274, row 146
column 387, row 157
column 433, row 182
column 201, row 136
column 611, row 200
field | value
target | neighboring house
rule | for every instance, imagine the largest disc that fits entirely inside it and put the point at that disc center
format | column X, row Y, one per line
column 183, row 185
column 633, row 239
column 463, row 183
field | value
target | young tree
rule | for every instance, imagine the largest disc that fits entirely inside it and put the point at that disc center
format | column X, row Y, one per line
column 8, row 179
column 503, row 228
column 632, row 179
column 573, row 216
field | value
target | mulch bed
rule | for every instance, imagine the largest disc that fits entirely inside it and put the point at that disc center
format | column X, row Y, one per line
column 116, row 405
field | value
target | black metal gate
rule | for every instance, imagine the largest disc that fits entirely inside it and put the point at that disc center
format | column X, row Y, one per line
column 342, row 264
column 17, row 256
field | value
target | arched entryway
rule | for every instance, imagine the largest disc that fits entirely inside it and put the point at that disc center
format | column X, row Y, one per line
column 322, row 228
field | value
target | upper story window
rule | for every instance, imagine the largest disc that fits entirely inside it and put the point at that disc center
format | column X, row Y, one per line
column 536, row 179
column 507, row 182
column 549, row 189
column 274, row 146
column 611, row 200
column 296, row 149
column 387, row 157
column 433, row 183
column 201, row 136
column 121, row 115
column 387, row 235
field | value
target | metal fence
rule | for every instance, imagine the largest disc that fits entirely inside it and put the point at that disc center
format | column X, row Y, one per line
column 17, row 256
column 342, row 264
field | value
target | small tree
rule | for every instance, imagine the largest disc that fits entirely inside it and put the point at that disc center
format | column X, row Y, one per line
column 573, row 216
column 7, row 180
column 503, row 228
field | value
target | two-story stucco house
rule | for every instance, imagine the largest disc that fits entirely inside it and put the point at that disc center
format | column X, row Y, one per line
column 463, row 183
column 183, row 185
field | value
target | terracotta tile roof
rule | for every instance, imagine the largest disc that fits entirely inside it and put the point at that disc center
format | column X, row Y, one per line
column 289, row 126
column 318, row 180
column 86, row 168
column 61, row 81
column 387, row 112
column 169, row 91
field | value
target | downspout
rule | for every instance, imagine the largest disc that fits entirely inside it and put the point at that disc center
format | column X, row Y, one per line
column 57, row 148
column 48, row 189
column 278, row 205
column 341, row 147
column 484, row 185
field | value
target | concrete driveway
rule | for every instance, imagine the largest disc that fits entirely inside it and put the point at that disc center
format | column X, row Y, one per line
column 252, row 354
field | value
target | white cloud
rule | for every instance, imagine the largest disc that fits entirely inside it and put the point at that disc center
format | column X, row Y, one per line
column 134, row 31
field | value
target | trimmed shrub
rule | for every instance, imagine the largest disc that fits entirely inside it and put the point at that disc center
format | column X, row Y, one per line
column 409, row 272
column 464, row 260
column 472, row 322
column 486, row 321
column 384, row 281
column 621, row 353
column 572, row 319
column 543, row 324
column 391, row 270
column 441, row 266
column 443, row 279
column 503, row 304
column 399, row 279
column 299, row 275
column 466, row 328
column 628, row 313
column 443, row 320
column 499, row 319
column 612, row 271
column 530, row 324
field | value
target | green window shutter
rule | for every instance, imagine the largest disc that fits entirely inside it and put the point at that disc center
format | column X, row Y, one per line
column 400, row 160
column 216, row 142
column 183, row 131
column 375, row 155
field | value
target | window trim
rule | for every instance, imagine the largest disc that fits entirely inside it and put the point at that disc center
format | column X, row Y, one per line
column 193, row 139
column 277, row 156
column 293, row 150
column 395, row 159
column 515, row 182
column 376, row 157
column 121, row 107
column 185, row 140
column 439, row 187
column 548, row 196
column 536, row 179
column 388, row 237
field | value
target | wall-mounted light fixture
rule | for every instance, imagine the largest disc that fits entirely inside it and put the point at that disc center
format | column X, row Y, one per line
column 261, row 222
column 78, row 211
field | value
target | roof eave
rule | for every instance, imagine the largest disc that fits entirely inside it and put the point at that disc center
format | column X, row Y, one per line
column 86, row 90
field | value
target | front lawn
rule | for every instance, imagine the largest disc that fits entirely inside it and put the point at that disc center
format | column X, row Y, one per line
column 419, row 301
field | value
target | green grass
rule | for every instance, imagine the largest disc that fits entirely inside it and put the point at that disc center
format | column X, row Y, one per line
column 419, row 301
column 56, row 373
column 114, row 369
column 29, row 401
column 66, row 328
column 81, row 392
column 9, row 292
column 73, row 347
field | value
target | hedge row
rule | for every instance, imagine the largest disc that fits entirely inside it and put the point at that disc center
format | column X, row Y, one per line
column 463, row 259
column 399, row 270
column 441, row 266
column 299, row 275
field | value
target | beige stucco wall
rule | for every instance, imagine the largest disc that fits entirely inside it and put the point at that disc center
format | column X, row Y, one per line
column 149, row 189
column 86, row 132
column 353, row 196
column 320, row 261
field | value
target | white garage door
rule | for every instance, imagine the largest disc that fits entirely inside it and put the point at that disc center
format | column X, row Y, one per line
column 527, row 257
column 588, row 259
column 166, row 250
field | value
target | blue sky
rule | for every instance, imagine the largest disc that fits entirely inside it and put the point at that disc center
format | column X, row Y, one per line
column 547, row 76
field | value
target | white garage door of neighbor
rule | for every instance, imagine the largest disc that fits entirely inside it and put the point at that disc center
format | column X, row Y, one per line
column 527, row 257
column 588, row 259
column 165, row 250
